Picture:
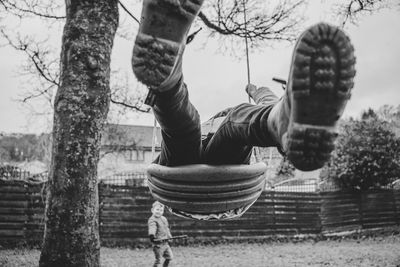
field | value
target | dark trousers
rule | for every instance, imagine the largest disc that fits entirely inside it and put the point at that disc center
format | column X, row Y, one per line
column 245, row 126
column 160, row 251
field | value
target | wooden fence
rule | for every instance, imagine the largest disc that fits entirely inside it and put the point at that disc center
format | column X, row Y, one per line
column 13, row 172
column 341, row 211
column 21, row 212
column 124, row 211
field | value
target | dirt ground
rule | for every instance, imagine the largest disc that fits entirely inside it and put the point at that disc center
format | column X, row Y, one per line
column 374, row 251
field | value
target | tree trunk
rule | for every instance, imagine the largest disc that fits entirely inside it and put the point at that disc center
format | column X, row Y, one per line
column 72, row 230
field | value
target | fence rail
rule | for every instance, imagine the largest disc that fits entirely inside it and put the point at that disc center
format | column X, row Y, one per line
column 137, row 179
column 124, row 210
column 14, row 173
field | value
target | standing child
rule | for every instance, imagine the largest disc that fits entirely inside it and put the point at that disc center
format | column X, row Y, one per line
column 159, row 230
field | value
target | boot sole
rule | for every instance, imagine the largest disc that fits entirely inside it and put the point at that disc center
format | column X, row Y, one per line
column 321, row 78
column 161, row 38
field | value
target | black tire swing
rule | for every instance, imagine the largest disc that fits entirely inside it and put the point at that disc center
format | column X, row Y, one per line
column 208, row 192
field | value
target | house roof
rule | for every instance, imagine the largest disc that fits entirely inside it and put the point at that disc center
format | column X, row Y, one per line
column 130, row 135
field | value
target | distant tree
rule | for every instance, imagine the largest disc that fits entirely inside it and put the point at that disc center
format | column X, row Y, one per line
column 285, row 168
column 367, row 154
column 368, row 114
column 25, row 147
column 352, row 10
column 391, row 115
column 4, row 155
column 8, row 145
column 9, row 171
column 116, row 139
column 284, row 171
column 17, row 147
column 42, row 150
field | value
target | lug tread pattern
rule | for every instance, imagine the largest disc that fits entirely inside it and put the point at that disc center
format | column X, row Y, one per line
column 310, row 148
column 322, row 78
column 324, row 62
column 153, row 59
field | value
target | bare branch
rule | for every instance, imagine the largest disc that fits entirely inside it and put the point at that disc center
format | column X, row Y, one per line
column 277, row 23
column 22, row 8
column 37, row 64
column 43, row 69
column 123, row 97
column 351, row 10
column 40, row 93
column 135, row 107
column 36, row 56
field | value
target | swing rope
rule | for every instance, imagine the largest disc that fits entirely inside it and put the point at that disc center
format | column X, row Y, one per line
column 255, row 150
column 247, row 44
column 153, row 141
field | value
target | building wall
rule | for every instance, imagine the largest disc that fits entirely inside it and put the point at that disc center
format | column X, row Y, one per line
column 123, row 162
column 130, row 161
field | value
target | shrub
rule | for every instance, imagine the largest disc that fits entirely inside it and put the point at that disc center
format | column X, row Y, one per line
column 367, row 155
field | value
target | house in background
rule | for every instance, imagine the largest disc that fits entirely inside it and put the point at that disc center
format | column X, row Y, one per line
column 126, row 152
column 127, row 149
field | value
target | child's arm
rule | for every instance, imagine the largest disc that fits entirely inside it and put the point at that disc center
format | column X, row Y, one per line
column 169, row 231
column 152, row 227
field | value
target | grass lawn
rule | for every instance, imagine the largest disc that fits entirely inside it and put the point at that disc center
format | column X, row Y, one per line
column 374, row 251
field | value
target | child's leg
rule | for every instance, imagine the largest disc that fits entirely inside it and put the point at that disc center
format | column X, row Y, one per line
column 157, row 62
column 241, row 130
column 303, row 122
column 180, row 128
column 158, row 255
column 167, row 255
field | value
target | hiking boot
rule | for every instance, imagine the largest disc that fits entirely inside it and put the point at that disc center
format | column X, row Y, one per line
column 319, row 85
column 159, row 45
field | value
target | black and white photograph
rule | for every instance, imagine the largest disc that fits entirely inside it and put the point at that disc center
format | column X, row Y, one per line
column 202, row 133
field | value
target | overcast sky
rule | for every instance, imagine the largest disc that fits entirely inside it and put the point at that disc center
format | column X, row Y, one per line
column 217, row 81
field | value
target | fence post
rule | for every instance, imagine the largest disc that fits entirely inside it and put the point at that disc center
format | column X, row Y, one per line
column 273, row 210
column 28, row 213
column 319, row 229
column 396, row 211
column 36, row 208
column 100, row 190
column 360, row 209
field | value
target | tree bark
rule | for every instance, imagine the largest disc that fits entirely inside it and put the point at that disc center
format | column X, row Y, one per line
column 72, row 229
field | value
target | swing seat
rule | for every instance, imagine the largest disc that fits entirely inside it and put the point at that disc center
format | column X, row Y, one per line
column 207, row 192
